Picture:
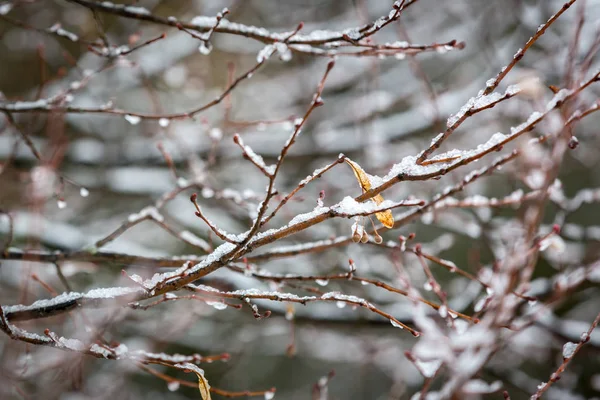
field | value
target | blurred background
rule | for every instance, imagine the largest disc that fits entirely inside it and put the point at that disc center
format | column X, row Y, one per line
column 99, row 169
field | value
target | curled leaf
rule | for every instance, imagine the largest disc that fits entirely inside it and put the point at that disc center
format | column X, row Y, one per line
column 385, row 217
column 203, row 385
column 361, row 175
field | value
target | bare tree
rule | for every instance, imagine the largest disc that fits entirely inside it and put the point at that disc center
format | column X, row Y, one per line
column 261, row 193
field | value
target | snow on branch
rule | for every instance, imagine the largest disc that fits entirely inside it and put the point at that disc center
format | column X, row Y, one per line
column 267, row 170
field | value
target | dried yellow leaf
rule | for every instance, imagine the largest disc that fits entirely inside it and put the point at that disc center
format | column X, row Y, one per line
column 385, row 217
column 203, row 385
column 361, row 175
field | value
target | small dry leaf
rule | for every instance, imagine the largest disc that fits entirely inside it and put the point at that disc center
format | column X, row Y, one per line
column 203, row 385
column 385, row 217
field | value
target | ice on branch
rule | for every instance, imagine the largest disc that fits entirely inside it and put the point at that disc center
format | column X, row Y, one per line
column 481, row 101
column 26, row 105
column 256, row 293
column 132, row 119
column 285, row 54
column 316, row 173
column 128, row 9
column 56, row 28
column 101, row 351
column 265, row 53
column 296, row 40
column 205, row 48
column 72, row 344
column 303, row 247
column 215, row 256
column 350, row 207
column 558, row 98
column 408, row 167
column 148, row 212
column 396, row 324
column 533, row 118
column 207, row 23
column 67, row 298
column 300, row 218
column 569, row 349
column 253, row 157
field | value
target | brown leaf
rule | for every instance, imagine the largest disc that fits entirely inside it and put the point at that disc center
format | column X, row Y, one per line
column 203, row 385
column 361, row 175
column 385, row 217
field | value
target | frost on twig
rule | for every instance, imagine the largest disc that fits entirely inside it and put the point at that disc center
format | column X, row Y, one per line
column 267, row 170
column 69, row 301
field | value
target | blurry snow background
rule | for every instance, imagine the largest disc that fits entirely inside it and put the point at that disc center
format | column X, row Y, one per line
column 376, row 111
